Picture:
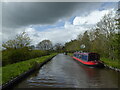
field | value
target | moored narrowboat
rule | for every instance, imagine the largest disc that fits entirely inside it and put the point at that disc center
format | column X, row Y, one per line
column 90, row 59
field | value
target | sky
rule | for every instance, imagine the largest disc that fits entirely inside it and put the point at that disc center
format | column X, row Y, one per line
column 59, row 22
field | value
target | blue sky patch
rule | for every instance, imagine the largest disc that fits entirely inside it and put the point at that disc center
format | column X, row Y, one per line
column 108, row 5
column 71, row 19
column 45, row 27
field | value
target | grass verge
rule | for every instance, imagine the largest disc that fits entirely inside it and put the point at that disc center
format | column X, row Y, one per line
column 13, row 70
column 112, row 63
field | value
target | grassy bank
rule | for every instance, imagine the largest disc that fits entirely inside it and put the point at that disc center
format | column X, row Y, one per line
column 13, row 70
column 112, row 63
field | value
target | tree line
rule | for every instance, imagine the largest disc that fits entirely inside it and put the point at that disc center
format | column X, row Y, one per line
column 20, row 49
column 103, row 38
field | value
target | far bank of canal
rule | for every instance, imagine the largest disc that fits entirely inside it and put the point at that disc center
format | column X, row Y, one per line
column 63, row 72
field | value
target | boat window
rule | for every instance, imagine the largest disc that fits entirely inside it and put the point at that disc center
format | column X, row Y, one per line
column 80, row 56
column 77, row 55
column 74, row 54
column 94, row 56
column 84, row 57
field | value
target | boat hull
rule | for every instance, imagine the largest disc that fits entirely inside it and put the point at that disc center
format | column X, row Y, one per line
column 89, row 63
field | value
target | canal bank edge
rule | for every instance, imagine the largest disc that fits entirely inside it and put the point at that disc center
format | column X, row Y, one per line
column 9, row 85
column 113, row 68
column 107, row 66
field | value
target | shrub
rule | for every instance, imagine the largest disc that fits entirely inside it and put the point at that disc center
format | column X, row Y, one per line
column 37, row 53
column 10, row 56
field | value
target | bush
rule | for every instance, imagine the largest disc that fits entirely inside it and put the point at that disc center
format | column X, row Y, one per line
column 10, row 56
column 14, row 55
column 6, row 57
column 37, row 53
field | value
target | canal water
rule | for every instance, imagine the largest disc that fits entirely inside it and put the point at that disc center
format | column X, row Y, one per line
column 64, row 72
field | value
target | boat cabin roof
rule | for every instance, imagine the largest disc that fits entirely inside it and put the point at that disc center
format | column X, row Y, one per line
column 85, row 53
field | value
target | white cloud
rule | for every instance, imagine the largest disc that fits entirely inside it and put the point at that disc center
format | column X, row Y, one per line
column 68, row 31
column 90, row 19
column 10, row 33
column 65, row 33
column 56, row 35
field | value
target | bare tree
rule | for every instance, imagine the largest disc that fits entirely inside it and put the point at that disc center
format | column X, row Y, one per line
column 45, row 45
column 58, row 46
column 20, row 41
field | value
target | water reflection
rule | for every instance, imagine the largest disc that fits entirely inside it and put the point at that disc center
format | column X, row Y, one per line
column 101, row 77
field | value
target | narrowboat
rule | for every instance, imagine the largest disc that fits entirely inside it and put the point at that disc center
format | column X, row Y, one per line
column 89, row 59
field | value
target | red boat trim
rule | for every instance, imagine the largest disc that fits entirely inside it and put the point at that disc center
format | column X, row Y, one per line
column 84, row 62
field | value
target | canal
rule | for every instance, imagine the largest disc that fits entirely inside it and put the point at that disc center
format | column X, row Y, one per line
column 64, row 72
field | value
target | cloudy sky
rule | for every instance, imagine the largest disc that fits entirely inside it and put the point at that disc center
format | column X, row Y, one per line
column 59, row 22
